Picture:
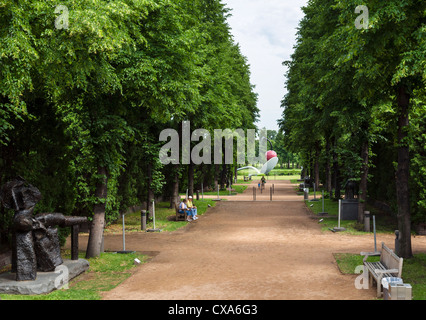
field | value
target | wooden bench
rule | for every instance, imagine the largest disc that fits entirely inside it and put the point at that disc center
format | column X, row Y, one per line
column 180, row 216
column 390, row 265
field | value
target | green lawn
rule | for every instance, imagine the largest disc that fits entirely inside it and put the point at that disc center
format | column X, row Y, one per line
column 384, row 223
column 164, row 218
column 236, row 188
column 275, row 174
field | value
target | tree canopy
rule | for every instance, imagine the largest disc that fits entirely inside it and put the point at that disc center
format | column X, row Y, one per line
column 82, row 106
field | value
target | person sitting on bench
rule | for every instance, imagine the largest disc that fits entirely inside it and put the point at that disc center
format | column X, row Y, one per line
column 183, row 207
column 192, row 208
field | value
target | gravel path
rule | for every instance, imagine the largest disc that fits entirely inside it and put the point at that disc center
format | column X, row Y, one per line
column 246, row 250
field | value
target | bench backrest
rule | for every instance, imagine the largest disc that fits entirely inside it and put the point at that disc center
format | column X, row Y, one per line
column 391, row 260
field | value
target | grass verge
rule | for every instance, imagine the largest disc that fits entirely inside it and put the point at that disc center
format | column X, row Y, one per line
column 384, row 223
column 223, row 192
column 164, row 218
column 105, row 273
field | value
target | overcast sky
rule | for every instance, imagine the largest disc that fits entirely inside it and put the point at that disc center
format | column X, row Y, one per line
column 266, row 32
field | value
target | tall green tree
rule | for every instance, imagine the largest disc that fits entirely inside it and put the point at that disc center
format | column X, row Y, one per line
column 383, row 55
column 342, row 78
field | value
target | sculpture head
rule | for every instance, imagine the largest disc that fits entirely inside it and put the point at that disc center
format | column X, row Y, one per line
column 18, row 194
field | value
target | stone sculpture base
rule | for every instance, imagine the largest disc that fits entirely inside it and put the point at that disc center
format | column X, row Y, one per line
column 46, row 282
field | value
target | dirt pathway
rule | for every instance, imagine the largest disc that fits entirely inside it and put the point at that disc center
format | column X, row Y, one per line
column 245, row 250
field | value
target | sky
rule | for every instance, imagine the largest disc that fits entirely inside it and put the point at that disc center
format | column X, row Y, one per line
column 266, row 33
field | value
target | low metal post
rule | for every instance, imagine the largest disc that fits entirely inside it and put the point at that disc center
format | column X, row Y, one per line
column 306, row 194
column 397, row 242
column 315, row 192
column 374, row 230
column 153, row 212
column 143, row 220
column 323, row 213
column 367, row 221
column 124, row 235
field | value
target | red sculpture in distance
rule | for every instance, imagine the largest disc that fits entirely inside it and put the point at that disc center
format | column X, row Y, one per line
column 270, row 154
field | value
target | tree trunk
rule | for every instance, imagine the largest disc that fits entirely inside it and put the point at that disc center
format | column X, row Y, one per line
column 316, row 164
column 150, row 195
column 223, row 176
column 403, row 174
column 174, row 200
column 336, row 174
column 362, row 197
column 206, row 177
column 216, row 176
column 191, row 179
column 328, row 169
column 95, row 242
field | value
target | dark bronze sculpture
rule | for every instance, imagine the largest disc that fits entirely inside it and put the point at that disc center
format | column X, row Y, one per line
column 351, row 189
column 35, row 239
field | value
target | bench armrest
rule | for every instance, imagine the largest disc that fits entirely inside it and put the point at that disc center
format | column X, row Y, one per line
column 369, row 254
